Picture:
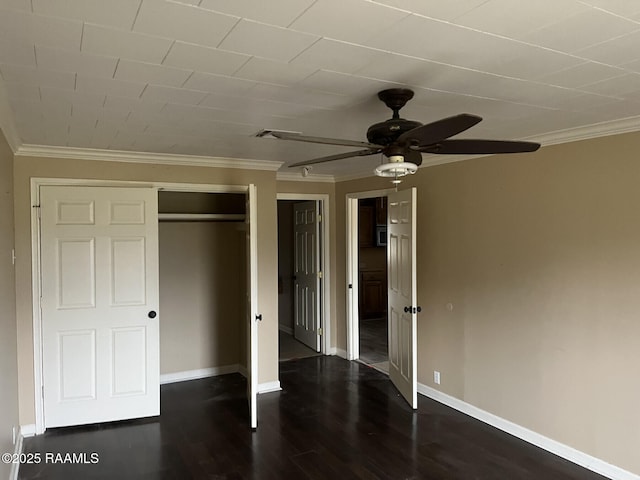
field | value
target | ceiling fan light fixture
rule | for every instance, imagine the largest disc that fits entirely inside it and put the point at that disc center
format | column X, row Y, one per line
column 396, row 169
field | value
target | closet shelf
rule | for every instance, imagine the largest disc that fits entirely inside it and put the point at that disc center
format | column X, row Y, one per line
column 201, row 217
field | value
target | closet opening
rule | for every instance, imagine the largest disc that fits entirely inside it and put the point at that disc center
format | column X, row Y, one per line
column 203, row 284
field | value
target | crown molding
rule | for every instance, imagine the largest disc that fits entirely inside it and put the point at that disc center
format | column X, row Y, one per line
column 144, row 157
column 297, row 177
column 614, row 127
column 602, row 129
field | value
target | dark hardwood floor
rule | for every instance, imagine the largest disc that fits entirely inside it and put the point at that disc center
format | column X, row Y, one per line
column 333, row 419
column 289, row 348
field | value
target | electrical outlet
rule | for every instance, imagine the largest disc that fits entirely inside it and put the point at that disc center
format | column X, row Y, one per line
column 436, row 377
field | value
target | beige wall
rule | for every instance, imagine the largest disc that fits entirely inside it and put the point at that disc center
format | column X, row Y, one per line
column 26, row 167
column 202, row 294
column 8, row 347
column 539, row 255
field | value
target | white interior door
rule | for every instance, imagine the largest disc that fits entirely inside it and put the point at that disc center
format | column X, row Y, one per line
column 402, row 291
column 252, row 297
column 306, row 284
column 99, row 274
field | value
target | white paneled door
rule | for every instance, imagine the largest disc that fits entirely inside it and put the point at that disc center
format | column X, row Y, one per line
column 99, row 271
column 306, row 284
column 402, row 291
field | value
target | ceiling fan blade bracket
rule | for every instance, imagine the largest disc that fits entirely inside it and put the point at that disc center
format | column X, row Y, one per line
column 339, row 156
column 298, row 137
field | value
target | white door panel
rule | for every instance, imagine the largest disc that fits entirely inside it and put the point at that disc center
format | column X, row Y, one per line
column 99, row 269
column 306, row 230
column 402, row 292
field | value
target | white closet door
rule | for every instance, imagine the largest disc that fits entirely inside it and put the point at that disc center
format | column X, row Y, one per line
column 99, row 272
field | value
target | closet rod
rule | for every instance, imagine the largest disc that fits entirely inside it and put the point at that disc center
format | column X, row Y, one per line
column 201, row 217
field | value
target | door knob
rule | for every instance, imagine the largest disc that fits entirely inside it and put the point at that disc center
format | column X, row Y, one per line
column 411, row 309
column 152, row 314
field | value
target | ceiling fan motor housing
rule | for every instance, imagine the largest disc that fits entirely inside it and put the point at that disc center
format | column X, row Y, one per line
column 385, row 133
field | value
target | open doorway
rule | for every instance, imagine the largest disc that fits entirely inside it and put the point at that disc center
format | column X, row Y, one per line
column 302, row 272
column 374, row 270
column 289, row 346
column 372, row 278
column 402, row 296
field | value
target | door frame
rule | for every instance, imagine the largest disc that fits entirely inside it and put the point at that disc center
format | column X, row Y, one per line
column 36, row 183
column 325, row 281
column 352, row 286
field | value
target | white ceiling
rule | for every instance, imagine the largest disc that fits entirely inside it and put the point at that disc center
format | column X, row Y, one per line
column 201, row 77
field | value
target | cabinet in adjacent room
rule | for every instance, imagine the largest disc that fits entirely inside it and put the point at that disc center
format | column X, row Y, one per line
column 373, row 294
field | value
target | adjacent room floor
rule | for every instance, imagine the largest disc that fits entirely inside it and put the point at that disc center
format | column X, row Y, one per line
column 333, row 419
column 374, row 343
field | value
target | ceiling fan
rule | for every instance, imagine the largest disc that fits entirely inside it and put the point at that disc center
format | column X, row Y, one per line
column 403, row 141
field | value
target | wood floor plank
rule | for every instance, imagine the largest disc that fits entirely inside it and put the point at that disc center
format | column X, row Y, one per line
column 334, row 420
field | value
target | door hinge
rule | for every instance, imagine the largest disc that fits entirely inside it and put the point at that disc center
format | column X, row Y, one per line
column 320, row 331
column 319, row 218
column 38, row 211
column 42, row 391
column 319, row 274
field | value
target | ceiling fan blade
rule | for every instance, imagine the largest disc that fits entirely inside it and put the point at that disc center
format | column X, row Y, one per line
column 479, row 147
column 439, row 130
column 339, row 156
column 298, row 137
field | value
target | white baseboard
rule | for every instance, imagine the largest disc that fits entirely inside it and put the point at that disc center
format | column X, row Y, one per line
column 269, row 387
column 569, row 453
column 341, row 353
column 15, row 467
column 28, row 430
column 197, row 374
column 265, row 387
